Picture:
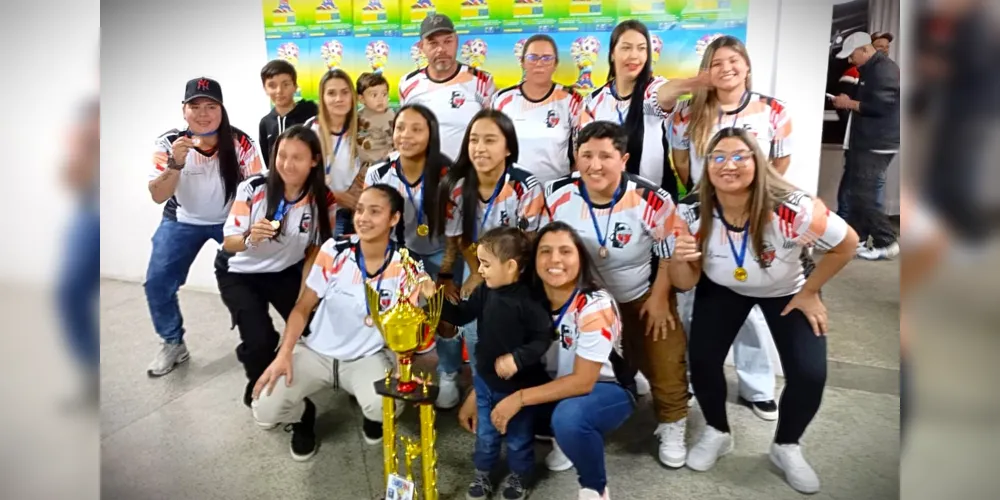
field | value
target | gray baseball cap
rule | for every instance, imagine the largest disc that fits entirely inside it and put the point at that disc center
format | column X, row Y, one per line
column 437, row 23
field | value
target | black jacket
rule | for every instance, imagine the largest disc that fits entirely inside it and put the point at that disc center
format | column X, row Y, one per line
column 272, row 125
column 510, row 322
column 876, row 126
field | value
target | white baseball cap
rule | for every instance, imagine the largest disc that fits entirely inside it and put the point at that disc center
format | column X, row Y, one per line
column 857, row 39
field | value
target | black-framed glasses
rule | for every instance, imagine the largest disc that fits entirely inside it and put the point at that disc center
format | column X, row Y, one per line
column 719, row 159
column 540, row 58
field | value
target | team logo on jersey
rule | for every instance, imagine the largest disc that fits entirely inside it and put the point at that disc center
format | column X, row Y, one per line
column 767, row 256
column 552, row 119
column 384, row 299
column 306, row 222
column 565, row 337
column 504, row 218
column 622, row 235
column 457, row 99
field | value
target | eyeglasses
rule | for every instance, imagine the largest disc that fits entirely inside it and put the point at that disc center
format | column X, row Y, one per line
column 739, row 158
column 538, row 58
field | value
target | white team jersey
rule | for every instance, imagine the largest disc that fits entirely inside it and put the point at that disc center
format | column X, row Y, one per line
column 200, row 197
column 341, row 167
column 544, row 128
column 391, row 173
column 640, row 224
column 603, row 105
column 297, row 232
column 338, row 328
column 454, row 101
column 766, row 118
column 519, row 204
column 800, row 221
column 590, row 329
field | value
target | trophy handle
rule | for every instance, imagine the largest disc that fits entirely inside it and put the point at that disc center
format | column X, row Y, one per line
column 371, row 295
column 434, row 304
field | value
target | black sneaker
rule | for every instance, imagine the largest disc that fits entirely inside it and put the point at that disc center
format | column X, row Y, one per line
column 481, row 487
column 766, row 410
column 515, row 487
column 371, row 431
column 304, row 434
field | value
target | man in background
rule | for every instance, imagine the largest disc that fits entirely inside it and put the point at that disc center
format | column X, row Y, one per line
column 881, row 42
column 874, row 141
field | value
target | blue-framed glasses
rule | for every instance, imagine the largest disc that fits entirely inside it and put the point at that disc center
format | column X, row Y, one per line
column 739, row 158
column 540, row 58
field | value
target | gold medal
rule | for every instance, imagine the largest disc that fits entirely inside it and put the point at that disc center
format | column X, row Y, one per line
column 423, row 230
column 603, row 252
column 275, row 224
column 369, row 322
column 740, row 274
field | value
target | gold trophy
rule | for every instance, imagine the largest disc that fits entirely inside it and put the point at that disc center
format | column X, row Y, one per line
column 403, row 326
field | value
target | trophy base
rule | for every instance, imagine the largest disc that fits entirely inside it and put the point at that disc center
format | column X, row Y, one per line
column 416, row 396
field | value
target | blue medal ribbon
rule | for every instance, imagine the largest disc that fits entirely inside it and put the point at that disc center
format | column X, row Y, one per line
column 360, row 256
column 283, row 208
column 409, row 193
column 336, row 148
column 489, row 207
column 565, row 308
column 601, row 239
column 740, row 256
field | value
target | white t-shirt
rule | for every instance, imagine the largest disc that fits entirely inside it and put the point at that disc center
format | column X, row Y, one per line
column 519, row 204
column 341, row 167
column 766, row 118
column 391, row 173
column 603, row 105
column 297, row 231
column 454, row 101
column 544, row 128
column 641, row 222
column 338, row 328
column 800, row 221
column 200, row 197
column 591, row 329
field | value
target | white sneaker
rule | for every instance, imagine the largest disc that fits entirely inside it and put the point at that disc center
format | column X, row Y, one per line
column 673, row 450
column 448, row 395
column 641, row 384
column 884, row 253
column 169, row 356
column 799, row 474
column 712, row 445
column 589, row 494
column 556, row 460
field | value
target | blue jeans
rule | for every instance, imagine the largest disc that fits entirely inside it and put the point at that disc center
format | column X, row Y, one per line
column 580, row 423
column 520, row 435
column 79, row 287
column 844, row 191
column 175, row 246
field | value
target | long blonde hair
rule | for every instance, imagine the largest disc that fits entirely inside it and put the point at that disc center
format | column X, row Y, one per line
column 351, row 122
column 705, row 102
column 768, row 189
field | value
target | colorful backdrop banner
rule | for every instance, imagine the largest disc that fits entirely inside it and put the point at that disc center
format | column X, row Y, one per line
column 383, row 35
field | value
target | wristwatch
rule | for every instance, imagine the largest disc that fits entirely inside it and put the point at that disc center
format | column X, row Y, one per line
column 173, row 165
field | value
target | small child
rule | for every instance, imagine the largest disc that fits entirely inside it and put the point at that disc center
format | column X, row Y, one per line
column 374, row 120
column 515, row 331
column 280, row 83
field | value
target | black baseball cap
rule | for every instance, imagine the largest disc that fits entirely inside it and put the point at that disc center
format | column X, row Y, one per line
column 203, row 87
column 437, row 23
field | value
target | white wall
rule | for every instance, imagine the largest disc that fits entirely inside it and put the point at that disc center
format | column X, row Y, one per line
column 150, row 49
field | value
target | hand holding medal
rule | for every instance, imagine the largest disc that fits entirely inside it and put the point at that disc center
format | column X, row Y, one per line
column 261, row 230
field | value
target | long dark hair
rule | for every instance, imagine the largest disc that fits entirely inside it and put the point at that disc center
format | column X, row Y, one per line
column 229, row 161
column 434, row 163
column 396, row 206
column 315, row 183
column 635, row 123
column 588, row 281
column 463, row 169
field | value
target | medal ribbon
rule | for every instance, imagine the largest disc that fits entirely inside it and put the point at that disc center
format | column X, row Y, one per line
column 360, row 256
column 745, row 232
column 601, row 239
column 618, row 109
column 409, row 193
column 340, row 137
column 283, row 208
column 565, row 308
column 489, row 207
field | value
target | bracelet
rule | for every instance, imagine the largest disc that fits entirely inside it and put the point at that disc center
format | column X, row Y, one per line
column 249, row 244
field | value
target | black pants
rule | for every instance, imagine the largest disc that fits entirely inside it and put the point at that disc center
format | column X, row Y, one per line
column 718, row 314
column 866, row 170
column 247, row 296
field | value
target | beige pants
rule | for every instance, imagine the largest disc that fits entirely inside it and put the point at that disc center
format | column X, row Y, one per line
column 312, row 371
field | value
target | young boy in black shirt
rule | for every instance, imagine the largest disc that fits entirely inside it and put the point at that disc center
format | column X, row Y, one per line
column 281, row 82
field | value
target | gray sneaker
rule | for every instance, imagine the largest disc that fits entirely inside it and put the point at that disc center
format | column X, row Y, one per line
column 170, row 355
